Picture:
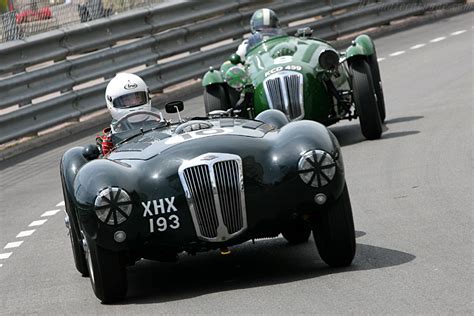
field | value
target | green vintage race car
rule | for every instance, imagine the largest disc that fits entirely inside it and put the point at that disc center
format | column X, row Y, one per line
column 304, row 77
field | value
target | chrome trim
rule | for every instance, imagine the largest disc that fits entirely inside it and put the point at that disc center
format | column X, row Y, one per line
column 281, row 95
column 215, row 193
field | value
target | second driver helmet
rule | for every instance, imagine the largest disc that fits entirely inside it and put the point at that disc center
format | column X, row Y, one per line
column 264, row 19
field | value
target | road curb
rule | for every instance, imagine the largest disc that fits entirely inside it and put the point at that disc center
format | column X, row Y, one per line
column 195, row 89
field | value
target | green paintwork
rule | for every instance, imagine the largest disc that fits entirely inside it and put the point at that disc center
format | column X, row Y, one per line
column 301, row 55
column 211, row 77
column 285, row 52
column 362, row 45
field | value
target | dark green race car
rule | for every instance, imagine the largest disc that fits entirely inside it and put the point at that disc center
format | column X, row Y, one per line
column 304, row 77
column 199, row 185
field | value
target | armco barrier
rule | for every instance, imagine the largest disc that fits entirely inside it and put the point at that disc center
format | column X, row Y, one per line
column 144, row 38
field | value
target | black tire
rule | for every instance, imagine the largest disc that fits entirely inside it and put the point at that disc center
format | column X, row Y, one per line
column 107, row 272
column 334, row 232
column 297, row 232
column 374, row 67
column 215, row 98
column 76, row 244
column 365, row 99
column 234, row 96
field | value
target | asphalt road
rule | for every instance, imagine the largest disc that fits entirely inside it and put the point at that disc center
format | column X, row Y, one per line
column 412, row 197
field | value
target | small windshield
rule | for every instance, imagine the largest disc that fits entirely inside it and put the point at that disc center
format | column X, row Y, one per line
column 138, row 120
column 130, row 100
column 263, row 35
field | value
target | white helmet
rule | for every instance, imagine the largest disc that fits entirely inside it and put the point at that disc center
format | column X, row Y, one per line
column 127, row 93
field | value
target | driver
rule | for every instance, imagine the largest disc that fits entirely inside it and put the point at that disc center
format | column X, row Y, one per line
column 264, row 24
column 125, row 93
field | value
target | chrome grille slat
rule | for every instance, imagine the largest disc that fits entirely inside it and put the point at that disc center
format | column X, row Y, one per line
column 284, row 92
column 199, row 178
column 227, row 184
column 214, row 189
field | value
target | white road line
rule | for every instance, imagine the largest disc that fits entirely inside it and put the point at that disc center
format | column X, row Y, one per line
column 1, row 265
column 397, row 53
column 25, row 233
column 380, row 59
column 417, row 46
column 458, row 32
column 438, row 39
column 60, row 203
column 5, row 255
column 50, row 213
column 38, row 223
column 14, row 244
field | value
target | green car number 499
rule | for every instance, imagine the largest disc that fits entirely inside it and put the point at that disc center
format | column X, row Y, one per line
column 305, row 78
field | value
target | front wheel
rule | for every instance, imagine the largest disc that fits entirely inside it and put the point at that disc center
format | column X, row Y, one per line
column 215, row 98
column 334, row 232
column 73, row 232
column 365, row 99
column 107, row 272
column 374, row 67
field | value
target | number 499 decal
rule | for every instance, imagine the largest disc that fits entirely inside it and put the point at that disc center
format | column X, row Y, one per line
column 280, row 68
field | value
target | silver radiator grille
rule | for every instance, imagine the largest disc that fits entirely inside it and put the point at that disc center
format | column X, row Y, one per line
column 284, row 92
column 213, row 184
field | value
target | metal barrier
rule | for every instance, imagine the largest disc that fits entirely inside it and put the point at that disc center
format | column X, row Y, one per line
column 145, row 38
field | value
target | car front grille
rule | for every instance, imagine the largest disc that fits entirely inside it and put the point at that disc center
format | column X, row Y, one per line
column 284, row 92
column 213, row 184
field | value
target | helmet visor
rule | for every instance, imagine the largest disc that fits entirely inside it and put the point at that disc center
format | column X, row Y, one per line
column 131, row 100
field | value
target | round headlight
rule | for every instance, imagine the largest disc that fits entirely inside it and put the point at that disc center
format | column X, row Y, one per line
column 316, row 168
column 328, row 60
column 113, row 206
column 236, row 77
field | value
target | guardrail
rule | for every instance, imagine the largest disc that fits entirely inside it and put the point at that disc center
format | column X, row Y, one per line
column 147, row 38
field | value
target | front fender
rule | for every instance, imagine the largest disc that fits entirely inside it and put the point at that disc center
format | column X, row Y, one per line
column 296, row 138
column 362, row 46
column 71, row 161
column 211, row 77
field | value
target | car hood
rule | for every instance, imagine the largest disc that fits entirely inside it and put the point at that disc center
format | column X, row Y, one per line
column 221, row 132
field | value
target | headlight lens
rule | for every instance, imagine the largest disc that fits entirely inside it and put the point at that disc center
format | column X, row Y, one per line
column 316, row 168
column 113, row 206
column 236, row 77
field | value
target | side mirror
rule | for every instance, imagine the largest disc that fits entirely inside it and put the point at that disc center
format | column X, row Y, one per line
column 235, row 59
column 174, row 106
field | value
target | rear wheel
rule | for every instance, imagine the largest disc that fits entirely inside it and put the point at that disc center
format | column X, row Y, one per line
column 374, row 67
column 215, row 98
column 297, row 232
column 334, row 232
column 365, row 99
column 107, row 271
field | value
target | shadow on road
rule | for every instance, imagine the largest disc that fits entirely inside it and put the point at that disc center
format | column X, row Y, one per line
column 268, row 262
column 399, row 134
column 403, row 119
column 350, row 134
